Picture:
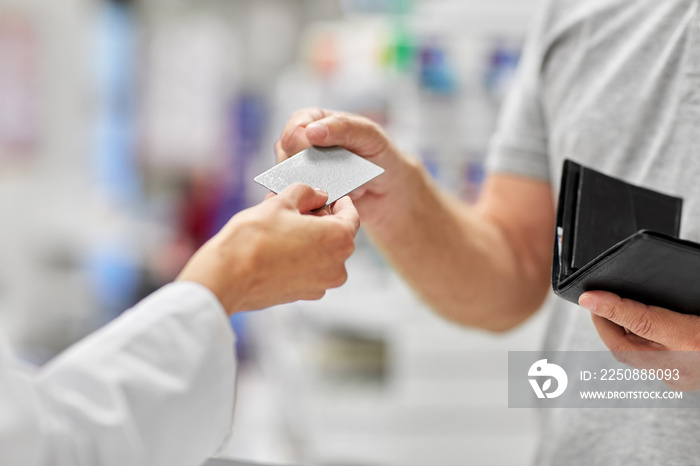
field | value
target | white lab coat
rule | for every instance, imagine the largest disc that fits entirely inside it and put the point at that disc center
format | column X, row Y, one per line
column 155, row 387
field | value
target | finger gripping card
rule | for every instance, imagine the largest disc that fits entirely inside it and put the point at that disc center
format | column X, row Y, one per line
column 617, row 237
column 333, row 169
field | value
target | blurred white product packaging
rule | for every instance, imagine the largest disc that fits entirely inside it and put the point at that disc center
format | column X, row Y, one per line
column 189, row 83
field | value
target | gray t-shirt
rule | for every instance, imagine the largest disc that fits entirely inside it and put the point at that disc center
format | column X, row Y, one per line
column 615, row 85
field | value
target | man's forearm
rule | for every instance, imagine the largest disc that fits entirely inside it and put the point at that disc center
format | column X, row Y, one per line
column 470, row 263
column 486, row 265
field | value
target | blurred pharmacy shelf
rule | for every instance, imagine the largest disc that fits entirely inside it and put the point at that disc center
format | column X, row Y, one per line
column 137, row 134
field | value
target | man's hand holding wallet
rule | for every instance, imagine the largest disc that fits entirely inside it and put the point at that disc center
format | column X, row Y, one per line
column 618, row 255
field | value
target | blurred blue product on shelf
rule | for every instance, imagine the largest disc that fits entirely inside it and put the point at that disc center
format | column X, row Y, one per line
column 114, row 69
column 247, row 120
column 115, row 279
column 502, row 64
column 115, row 273
column 436, row 73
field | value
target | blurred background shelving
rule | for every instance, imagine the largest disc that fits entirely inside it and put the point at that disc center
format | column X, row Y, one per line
column 130, row 131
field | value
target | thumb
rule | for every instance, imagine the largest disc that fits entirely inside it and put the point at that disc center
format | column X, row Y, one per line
column 303, row 197
column 355, row 133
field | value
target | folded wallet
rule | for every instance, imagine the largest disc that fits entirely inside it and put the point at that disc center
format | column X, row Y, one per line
column 617, row 237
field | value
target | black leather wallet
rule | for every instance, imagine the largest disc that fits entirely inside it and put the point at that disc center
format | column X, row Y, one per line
column 617, row 237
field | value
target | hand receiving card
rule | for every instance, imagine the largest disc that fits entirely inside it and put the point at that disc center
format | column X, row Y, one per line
column 333, row 169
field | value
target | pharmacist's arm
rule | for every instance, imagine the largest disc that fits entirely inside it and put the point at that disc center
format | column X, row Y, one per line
column 485, row 265
column 154, row 388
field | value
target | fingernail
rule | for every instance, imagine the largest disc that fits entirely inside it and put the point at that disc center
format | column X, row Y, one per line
column 322, row 191
column 587, row 302
column 318, row 130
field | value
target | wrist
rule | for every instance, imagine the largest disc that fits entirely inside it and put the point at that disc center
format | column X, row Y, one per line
column 206, row 269
column 394, row 209
column 196, row 288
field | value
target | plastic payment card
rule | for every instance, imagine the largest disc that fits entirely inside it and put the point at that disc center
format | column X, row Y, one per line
column 333, row 169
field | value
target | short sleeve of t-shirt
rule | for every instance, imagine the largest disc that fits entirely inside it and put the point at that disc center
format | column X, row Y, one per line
column 519, row 145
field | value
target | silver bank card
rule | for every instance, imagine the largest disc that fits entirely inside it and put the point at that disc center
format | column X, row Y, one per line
column 333, row 169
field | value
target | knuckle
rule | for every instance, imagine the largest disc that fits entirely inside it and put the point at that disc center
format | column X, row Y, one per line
column 372, row 128
column 290, row 141
column 299, row 117
column 350, row 249
column 307, row 188
column 339, row 278
column 316, row 111
column 613, row 313
column 340, row 234
column 342, row 119
column 303, row 188
column 642, row 325
column 347, row 123
column 348, row 235
column 343, row 242
column 370, row 125
column 315, row 295
column 295, row 193
column 311, row 110
column 283, row 202
column 348, row 244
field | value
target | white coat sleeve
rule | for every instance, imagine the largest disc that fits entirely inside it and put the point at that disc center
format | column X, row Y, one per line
column 153, row 388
